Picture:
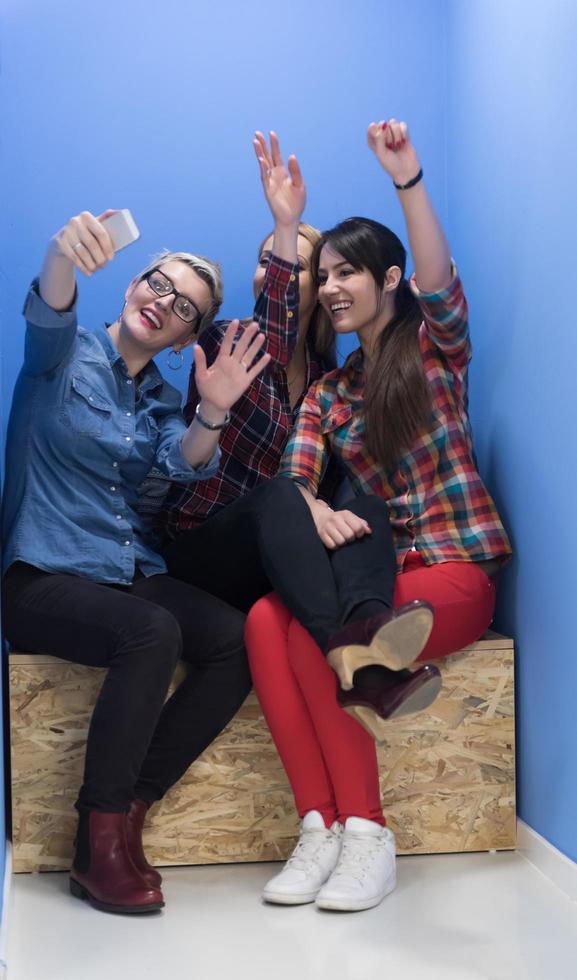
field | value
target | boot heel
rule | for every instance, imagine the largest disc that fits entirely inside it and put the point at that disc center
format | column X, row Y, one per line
column 76, row 889
column 344, row 661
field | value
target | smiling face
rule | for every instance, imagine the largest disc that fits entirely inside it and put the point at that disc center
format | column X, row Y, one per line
column 149, row 320
column 307, row 291
column 352, row 298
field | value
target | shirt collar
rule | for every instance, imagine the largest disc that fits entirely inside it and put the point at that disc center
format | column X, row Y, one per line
column 150, row 376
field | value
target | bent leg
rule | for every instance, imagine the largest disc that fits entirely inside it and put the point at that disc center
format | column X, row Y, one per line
column 92, row 624
column 462, row 596
column 365, row 570
column 286, row 710
column 216, row 683
column 348, row 750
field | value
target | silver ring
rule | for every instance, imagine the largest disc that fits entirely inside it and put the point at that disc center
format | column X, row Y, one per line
column 244, row 364
column 268, row 173
column 74, row 247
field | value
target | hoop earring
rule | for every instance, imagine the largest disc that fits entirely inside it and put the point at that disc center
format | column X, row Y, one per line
column 178, row 354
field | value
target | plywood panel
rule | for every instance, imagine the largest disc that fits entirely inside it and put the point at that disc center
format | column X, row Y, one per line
column 447, row 774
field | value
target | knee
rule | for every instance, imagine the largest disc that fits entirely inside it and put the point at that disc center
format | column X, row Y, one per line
column 370, row 507
column 266, row 626
column 278, row 492
column 160, row 632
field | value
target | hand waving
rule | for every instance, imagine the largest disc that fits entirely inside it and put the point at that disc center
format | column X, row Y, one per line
column 233, row 371
column 391, row 144
column 283, row 186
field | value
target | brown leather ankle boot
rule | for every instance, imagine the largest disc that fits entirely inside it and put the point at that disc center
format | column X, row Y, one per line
column 134, row 823
column 103, row 871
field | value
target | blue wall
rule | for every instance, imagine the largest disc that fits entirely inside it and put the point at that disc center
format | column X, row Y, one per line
column 512, row 161
column 117, row 106
column 123, row 105
column 112, row 105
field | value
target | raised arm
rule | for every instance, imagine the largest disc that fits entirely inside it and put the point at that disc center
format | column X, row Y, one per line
column 220, row 386
column 83, row 243
column 391, row 144
column 285, row 193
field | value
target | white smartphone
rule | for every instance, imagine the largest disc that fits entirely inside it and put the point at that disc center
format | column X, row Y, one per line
column 122, row 229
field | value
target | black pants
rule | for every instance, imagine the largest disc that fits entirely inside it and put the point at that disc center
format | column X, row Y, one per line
column 136, row 746
column 268, row 541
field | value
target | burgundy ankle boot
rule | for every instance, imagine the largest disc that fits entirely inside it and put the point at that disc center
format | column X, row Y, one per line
column 103, row 871
column 134, row 823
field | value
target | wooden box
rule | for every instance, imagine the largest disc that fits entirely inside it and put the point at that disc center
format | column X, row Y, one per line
column 447, row 774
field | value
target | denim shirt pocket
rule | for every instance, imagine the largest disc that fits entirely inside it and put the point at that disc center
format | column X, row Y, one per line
column 85, row 410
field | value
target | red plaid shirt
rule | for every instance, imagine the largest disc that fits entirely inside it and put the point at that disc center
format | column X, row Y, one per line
column 253, row 442
column 437, row 501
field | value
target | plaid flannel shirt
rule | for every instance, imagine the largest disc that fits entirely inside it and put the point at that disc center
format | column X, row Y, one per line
column 253, row 442
column 437, row 501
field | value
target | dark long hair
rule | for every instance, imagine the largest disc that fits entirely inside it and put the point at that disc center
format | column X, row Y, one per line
column 397, row 400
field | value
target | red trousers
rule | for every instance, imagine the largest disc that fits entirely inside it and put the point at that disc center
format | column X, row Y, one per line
column 330, row 760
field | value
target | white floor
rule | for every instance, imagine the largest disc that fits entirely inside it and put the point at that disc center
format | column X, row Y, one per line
column 461, row 917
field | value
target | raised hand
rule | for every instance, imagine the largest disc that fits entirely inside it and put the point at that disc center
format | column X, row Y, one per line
column 222, row 384
column 283, row 186
column 391, row 144
column 85, row 242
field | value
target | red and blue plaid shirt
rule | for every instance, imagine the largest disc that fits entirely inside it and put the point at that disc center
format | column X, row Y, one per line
column 253, row 442
column 437, row 501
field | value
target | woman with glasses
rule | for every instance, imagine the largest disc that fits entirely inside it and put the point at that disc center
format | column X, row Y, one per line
column 91, row 414
column 208, row 527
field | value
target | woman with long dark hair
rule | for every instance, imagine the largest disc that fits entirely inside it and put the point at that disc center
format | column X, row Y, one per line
column 404, row 572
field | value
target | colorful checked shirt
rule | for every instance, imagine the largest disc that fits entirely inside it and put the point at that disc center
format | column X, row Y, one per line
column 437, row 501
column 253, row 441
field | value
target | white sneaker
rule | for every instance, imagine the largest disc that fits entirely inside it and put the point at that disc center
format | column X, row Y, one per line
column 365, row 871
column 309, row 865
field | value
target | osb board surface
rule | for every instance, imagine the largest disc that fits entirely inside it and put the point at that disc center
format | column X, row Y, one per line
column 447, row 774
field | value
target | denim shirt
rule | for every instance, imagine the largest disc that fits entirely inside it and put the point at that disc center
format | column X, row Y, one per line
column 82, row 437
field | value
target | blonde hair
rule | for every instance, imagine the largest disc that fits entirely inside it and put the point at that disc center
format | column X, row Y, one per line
column 321, row 333
column 208, row 271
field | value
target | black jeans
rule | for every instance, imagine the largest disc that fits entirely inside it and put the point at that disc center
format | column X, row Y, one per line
column 268, row 541
column 137, row 745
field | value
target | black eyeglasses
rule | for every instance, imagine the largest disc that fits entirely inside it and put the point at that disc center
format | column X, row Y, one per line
column 184, row 308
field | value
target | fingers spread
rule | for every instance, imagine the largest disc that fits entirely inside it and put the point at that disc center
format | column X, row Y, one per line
column 295, row 171
column 199, row 360
column 246, row 338
column 275, row 149
column 228, row 339
column 260, row 365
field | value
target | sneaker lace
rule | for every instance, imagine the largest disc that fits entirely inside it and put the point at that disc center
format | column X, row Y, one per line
column 357, row 855
column 309, row 848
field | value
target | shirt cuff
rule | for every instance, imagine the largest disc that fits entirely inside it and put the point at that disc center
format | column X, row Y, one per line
column 39, row 314
column 280, row 272
column 179, row 469
column 441, row 294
